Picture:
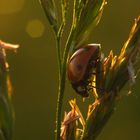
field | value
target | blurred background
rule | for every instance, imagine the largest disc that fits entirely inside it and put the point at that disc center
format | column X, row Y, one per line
column 33, row 69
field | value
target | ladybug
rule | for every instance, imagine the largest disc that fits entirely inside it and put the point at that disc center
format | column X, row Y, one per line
column 81, row 66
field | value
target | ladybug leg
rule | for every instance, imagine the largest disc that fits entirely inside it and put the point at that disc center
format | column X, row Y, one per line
column 91, row 86
column 95, row 73
column 100, row 89
column 90, row 89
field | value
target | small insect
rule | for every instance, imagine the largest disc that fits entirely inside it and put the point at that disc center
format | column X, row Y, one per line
column 81, row 66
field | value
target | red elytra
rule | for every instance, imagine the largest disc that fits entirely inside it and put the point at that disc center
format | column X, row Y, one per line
column 81, row 66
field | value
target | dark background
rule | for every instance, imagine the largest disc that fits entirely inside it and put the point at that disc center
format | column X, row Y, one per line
column 33, row 69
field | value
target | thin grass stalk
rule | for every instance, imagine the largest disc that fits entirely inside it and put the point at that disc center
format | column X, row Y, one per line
column 62, row 79
column 62, row 85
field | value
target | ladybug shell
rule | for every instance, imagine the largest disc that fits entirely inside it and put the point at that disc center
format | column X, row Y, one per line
column 80, row 60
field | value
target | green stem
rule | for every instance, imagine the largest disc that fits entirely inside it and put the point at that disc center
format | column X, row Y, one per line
column 59, row 105
column 62, row 85
column 62, row 75
column 59, row 34
column 63, row 11
column 58, row 47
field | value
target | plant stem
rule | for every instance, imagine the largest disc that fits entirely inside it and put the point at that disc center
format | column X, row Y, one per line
column 58, row 44
column 62, row 75
column 62, row 80
column 59, row 105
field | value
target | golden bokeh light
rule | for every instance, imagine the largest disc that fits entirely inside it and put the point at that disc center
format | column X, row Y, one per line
column 35, row 28
column 11, row 6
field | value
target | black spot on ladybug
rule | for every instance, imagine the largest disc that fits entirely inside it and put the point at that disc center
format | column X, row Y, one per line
column 79, row 67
